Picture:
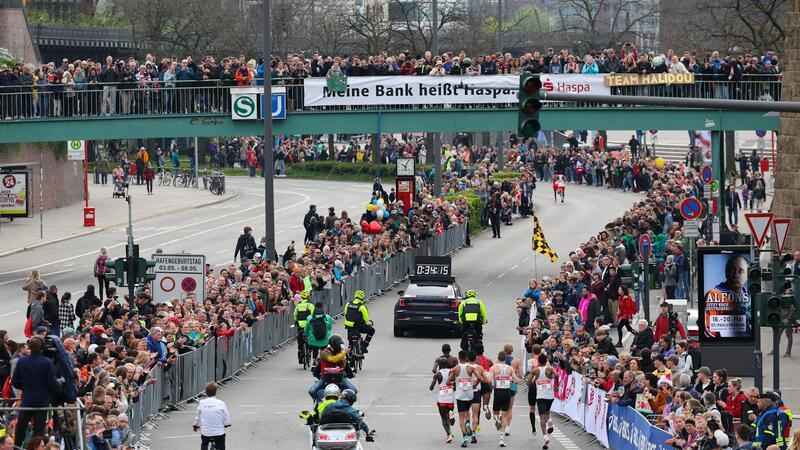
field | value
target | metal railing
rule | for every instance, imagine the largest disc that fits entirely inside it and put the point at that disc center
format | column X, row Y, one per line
column 94, row 99
column 222, row 358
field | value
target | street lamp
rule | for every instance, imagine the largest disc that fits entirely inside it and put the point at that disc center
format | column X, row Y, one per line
column 269, row 204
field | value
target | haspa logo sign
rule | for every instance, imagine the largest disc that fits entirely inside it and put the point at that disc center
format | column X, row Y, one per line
column 575, row 84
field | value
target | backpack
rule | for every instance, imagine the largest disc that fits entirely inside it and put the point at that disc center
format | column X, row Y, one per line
column 100, row 266
column 318, row 327
column 249, row 249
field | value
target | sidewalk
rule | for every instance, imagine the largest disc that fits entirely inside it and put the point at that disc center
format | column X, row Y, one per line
column 67, row 222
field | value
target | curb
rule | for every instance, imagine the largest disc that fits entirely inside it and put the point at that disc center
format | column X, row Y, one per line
column 113, row 225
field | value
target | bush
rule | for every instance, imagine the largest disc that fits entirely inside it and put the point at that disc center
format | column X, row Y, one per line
column 476, row 207
column 335, row 170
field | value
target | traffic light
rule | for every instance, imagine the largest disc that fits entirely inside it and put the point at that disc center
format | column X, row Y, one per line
column 626, row 276
column 143, row 275
column 115, row 271
column 754, row 279
column 529, row 105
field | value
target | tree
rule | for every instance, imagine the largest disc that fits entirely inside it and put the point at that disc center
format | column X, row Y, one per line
column 372, row 27
column 332, row 35
column 604, row 23
column 733, row 25
column 412, row 22
column 522, row 26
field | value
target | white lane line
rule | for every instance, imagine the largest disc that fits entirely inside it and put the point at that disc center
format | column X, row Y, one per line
column 8, row 314
column 489, row 283
column 306, row 199
column 526, row 258
column 251, row 412
column 221, row 251
column 514, row 267
column 280, row 412
column 43, row 276
column 391, row 414
column 501, row 275
column 182, row 437
column 251, row 406
column 426, row 414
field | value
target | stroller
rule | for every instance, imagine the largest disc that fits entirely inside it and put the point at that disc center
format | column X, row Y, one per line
column 120, row 187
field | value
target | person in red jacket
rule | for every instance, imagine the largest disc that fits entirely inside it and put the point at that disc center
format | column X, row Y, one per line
column 627, row 308
column 296, row 283
column 733, row 403
column 662, row 324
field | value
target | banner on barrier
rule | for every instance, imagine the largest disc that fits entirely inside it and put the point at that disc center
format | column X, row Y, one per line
column 569, row 396
column 596, row 412
column 361, row 91
column 629, row 430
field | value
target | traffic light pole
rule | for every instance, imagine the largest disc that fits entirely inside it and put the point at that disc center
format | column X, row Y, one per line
column 758, row 376
column 269, row 164
column 130, row 261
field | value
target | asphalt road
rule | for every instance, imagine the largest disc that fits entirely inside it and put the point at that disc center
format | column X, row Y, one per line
column 394, row 383
column 211, row 231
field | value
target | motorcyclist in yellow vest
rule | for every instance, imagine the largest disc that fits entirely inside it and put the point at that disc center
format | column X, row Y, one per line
column 471, row 314
column 768, row 428
column 302, row 311
column 331, row 394
column 356, row 319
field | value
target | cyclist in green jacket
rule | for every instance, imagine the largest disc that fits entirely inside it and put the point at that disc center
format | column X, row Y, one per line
column 318, row 329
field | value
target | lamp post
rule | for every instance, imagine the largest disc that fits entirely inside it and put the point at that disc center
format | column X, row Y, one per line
column 269, row 169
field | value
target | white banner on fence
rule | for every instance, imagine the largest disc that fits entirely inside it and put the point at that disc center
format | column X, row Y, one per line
column 446, row 90
column 596, row 413
column 569, row 396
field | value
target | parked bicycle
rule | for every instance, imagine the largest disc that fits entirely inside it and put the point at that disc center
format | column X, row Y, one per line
column 217, row 183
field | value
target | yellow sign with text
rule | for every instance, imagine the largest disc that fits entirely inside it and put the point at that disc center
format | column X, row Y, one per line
column 635, row 79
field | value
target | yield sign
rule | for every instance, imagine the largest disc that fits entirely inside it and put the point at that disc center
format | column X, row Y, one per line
column 780, row 228
column 759, row 224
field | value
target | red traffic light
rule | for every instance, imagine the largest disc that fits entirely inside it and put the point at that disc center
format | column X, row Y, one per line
column 532, row 85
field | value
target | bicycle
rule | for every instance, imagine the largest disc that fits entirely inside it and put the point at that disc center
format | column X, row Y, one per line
column 164, row 177
column 217, row 184
column 356, row 359
column 303, row 350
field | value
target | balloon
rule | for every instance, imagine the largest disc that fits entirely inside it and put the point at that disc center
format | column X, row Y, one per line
column 364, row 224
column 660, row 163
column 375, row 227
column 373, row 213
column 385, row 214
column 380, row 203
column 372, row 207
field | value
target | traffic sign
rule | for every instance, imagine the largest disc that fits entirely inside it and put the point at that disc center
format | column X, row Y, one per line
column 243, row 107
column 761, row 133
column 780, row 228
column 179, row 275
column 645, row 247
column 715, row 186
column 691, row 228
column 278, row 106
column 706, row 174
column 691, row 208
column 759, row 224
column 76, row 150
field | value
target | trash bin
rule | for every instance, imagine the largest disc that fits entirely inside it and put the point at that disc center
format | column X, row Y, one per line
column 88, row 217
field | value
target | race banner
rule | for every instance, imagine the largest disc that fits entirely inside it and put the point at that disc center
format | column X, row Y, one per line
column 629, row 430
column 596, row 412
column 446, row 90
column 569, row 396
column 636, row 79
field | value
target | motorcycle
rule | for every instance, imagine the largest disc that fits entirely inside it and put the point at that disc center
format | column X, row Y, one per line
column 336, row 431
column 470, row 339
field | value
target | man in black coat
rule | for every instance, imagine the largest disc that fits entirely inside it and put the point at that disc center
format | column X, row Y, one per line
column 310, row 223
column 643, row 339
column 245, row 245
column 51, row 310
column 36, row 377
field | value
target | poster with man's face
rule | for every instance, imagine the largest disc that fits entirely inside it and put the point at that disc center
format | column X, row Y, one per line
column 726, row 307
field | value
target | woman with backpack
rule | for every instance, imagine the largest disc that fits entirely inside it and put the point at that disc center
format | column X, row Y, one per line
column 100, row 272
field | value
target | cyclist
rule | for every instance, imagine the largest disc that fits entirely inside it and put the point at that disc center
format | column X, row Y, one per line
column 356, row 319
column 318, row 329
column 504, row 377
column 301, row 312
column 334, row 356
column 471, row 314
column 345, row 404
column 212, row 418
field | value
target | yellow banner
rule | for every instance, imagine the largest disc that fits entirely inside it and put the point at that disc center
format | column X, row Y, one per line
column 635, row 79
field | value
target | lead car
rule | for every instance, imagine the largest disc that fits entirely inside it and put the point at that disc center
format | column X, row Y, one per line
column 430, row 302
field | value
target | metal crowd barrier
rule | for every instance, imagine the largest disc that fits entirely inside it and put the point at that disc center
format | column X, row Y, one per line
column 221, row 358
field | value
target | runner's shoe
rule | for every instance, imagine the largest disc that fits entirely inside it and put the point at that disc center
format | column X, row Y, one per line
column 449, row 439
column 487, row 412
column 502, row 444
column 497, row 422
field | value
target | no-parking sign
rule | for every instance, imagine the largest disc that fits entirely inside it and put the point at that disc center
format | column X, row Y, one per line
column 178, row 276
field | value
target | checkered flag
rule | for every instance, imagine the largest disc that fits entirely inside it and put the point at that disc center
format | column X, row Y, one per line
column 539, row 243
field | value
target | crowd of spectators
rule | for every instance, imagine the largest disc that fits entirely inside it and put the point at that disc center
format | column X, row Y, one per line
column 148, row 86
column 113, row 345
column 571, row 318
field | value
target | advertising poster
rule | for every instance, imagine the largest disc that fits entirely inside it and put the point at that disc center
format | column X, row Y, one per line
column 14, row 194
column 725, row 307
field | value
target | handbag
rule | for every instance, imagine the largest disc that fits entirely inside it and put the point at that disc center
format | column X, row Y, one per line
column 29, row 327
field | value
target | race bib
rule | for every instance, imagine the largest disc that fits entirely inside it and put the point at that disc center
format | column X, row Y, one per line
column 544, row 386
column 465, row 384
column 446, row 391
column 503, row 382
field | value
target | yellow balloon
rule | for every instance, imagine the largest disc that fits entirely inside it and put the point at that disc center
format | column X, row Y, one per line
column 371, row 207
column 660, row 163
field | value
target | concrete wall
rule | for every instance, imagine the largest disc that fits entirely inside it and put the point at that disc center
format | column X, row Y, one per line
column 15, row 36
column 63, row 180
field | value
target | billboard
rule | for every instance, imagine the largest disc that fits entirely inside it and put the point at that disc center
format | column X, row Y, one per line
column 14, row 194
column 726, row 309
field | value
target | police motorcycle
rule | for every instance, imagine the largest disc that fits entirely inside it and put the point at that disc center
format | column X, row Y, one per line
column 336, row 429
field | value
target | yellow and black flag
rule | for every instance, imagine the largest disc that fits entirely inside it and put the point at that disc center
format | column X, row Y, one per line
column 539, row 243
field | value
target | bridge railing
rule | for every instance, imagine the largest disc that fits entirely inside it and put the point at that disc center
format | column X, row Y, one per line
column 94, row 99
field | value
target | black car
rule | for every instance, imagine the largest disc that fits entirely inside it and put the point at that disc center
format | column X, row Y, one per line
column 428, row 304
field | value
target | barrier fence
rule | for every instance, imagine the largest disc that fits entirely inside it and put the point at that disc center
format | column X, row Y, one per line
column 613, row 426
column 221, row 358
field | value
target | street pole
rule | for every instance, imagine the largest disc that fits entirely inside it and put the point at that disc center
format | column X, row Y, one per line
column 41, row 197
column 776, row 362
column 499, row 25
column 646, row 288
column 129, row 261
column 269, row 203
column 437, row 163
column 758, row 376
column 196, row 161
column 435, row 30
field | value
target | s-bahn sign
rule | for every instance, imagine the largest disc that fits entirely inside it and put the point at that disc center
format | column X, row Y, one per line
column 245, row 104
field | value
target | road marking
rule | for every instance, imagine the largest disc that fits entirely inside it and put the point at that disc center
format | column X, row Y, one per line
column 8, row 314
column 251, row 406
column 42, row 276
column 390, row 414
column 426, row 414
column 526, row 258
column 182, row 437
column 306, row 199
column 252, row 412
column 501, row 275
column 280, row 412
column 489, row 283
column 514, row 267
column 221, row 251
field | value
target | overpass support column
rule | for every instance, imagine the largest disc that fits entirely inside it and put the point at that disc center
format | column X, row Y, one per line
column 718, row 167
